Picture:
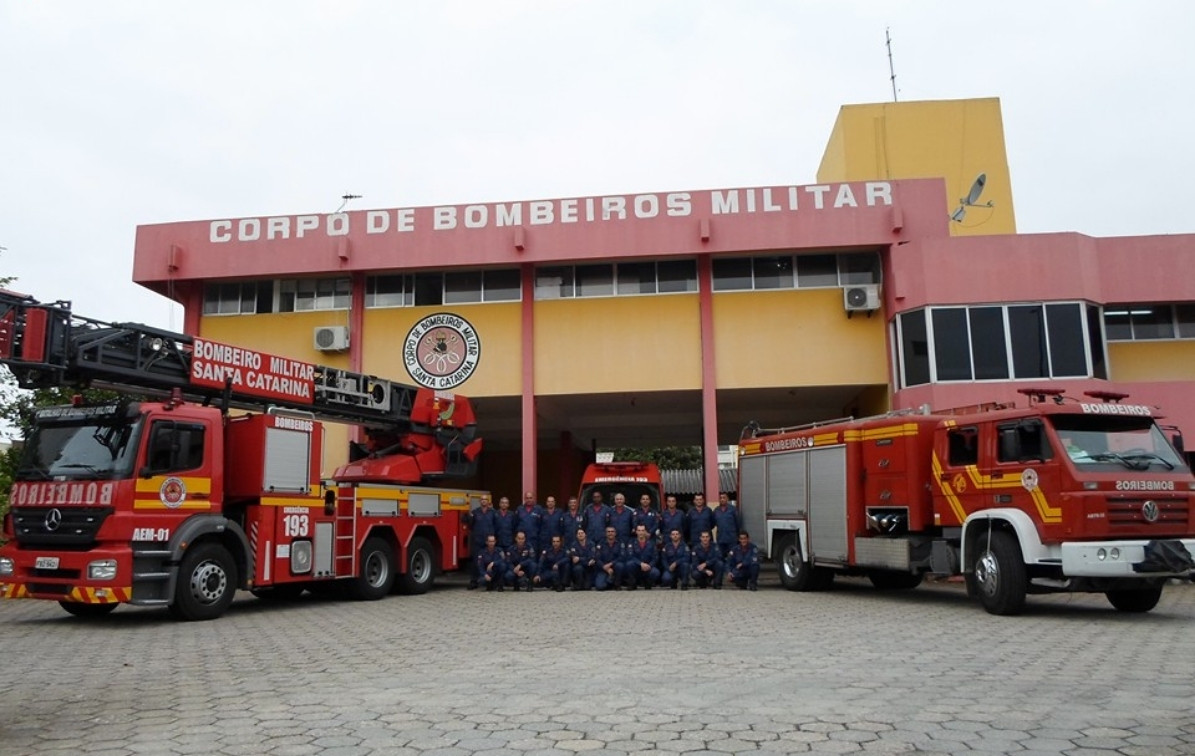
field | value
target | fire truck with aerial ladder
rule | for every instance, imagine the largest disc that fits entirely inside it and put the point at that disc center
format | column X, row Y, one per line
column 178, row 502
column 1056, row 495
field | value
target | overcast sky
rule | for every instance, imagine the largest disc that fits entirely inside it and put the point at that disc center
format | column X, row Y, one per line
column 119, row 114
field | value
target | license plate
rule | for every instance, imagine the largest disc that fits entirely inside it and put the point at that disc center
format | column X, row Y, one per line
column 46, row 563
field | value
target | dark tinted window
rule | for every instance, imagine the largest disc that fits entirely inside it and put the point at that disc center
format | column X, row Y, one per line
column 1029, row 358
column 914, row 348
column 817, row 270
column 952, row 347
column 773, row 272
column 989, row 346
column 730, row 275
column 1068, row 350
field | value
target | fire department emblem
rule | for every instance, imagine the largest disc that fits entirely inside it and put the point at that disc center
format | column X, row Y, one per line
column 441, row 351
column 173, row 492
column 959, row 483
column 1029, row 479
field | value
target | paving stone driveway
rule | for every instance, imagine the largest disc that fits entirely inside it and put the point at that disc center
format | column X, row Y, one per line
column 667, row 672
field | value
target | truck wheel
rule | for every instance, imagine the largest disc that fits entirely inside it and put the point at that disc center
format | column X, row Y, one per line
column 795, row 573
column 999, row 572
column 420, row 568
column 889, row 580
column 377, row 571
column 1136, row 600
column 207, row 581
column 87, row 610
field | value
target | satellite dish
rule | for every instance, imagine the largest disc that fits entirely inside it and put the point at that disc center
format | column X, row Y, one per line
column 976, row 189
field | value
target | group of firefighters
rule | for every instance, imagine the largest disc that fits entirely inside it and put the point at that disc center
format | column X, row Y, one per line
column 601, row 547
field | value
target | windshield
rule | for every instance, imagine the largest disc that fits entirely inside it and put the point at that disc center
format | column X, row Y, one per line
column 83, row 443
column 1102, row 443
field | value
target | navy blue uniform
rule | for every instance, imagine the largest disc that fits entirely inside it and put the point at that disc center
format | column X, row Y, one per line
column 624, row 523
column 706, row 558
column 553, row 568
column 674, row 564
column 583, row 564
column 609, row 555
column 728, row 522
column 550, row 526
column 481, row 527
column 742, row 565
column 491, row 567
column 596, row 520
column 504, row 528
column 700, row 520
column 528, row 520
column 648, row 518
column 642, row 563
column 569, row 525
column 674, row 520
column 523, row 559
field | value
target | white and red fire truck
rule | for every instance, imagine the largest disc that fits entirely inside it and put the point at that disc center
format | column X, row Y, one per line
column 632, row 479
column 1056, row 495
column 180, row 502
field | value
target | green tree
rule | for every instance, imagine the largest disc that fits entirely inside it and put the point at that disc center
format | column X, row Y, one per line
column 667, row 457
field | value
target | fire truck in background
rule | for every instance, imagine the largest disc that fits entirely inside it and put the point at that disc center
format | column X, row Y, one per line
column 632, row 479
column 1057, row 495
column 178, row 503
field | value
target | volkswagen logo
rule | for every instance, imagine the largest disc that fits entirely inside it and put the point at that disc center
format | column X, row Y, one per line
column 54, row 520
column 1149, row 510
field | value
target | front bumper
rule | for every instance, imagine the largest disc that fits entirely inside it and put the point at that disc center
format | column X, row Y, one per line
column 68, row 581
column 1168, row 557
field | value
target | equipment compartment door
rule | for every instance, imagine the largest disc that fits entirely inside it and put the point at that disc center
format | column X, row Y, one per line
column 827, row 504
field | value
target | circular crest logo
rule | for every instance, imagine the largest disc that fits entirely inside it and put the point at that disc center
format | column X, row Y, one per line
column 173, row 492
column 441, row 351
column 1029, row 479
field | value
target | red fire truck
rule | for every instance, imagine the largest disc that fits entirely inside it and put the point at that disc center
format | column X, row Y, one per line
column 1056, row 495
column 179, row 502
column 632, row 479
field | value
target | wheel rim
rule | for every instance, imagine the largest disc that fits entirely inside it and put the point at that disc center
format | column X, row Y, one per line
column 376, row 570
column 421, row 566
column 209, row 582
column 987, row 573
column 790, row 562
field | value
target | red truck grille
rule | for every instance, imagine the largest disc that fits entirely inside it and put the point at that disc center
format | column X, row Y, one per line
column 1171, row 513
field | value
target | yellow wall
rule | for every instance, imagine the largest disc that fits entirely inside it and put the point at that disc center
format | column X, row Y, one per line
column 951, row 139
column 499, row 372
column 649, row 343
column 1167, row 360
column 796, row 338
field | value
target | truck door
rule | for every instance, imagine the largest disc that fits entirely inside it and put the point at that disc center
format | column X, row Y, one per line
column 1025, row 473
column 958, row 488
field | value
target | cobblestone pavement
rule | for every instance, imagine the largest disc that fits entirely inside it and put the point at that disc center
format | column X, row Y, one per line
column 666, row 672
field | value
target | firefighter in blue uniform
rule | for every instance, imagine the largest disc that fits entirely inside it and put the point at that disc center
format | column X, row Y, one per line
column 610, row 556
column 742, row 565
column 504, row 524
column 672, row 518
column 728, row 523
column 707, row 563
column 491, row 565
column 642, row 560
column 529, row 518
column 623, row 519
column 521, row 562
column 675, row 561
column 553, row 566
column 549, row 526
column 481, row 527
column 701, row 519
column 582, row 557
column 597, row 517
column 571, row 521
column 647, row 517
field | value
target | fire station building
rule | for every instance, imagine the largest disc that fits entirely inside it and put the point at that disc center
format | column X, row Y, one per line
column 677, row 317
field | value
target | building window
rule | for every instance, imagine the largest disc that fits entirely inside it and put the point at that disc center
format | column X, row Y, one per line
column 389, row 291
column 505, row 285
column 802, row 271
column 627, row 278
column 676, row 276
column 1146, row 322
column 241, row 298
column 305, row 294
column 554, row 283
column 1020, row 341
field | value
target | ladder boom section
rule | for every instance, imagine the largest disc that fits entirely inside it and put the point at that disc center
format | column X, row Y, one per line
column 46, row 345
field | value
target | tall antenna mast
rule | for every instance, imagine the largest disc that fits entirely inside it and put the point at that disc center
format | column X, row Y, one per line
column 891, row 69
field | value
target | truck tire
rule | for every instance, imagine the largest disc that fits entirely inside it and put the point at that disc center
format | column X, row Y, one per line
column 999, row 571
column 207, row 583
column 795, row 573
column 420, row 568
column 87, row 610
column 890, row 580
column 376, row 577
column 1135, row 600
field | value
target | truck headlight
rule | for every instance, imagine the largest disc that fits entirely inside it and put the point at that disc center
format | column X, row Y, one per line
column 7, row 567
column 102, row 569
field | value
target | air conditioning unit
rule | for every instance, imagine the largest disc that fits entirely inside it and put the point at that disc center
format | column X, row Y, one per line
column 331, row 338
column 862, row 298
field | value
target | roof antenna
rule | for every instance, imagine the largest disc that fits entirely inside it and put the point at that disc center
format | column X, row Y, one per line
column 346, row 197
column 972, row 199
column 891, row 69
